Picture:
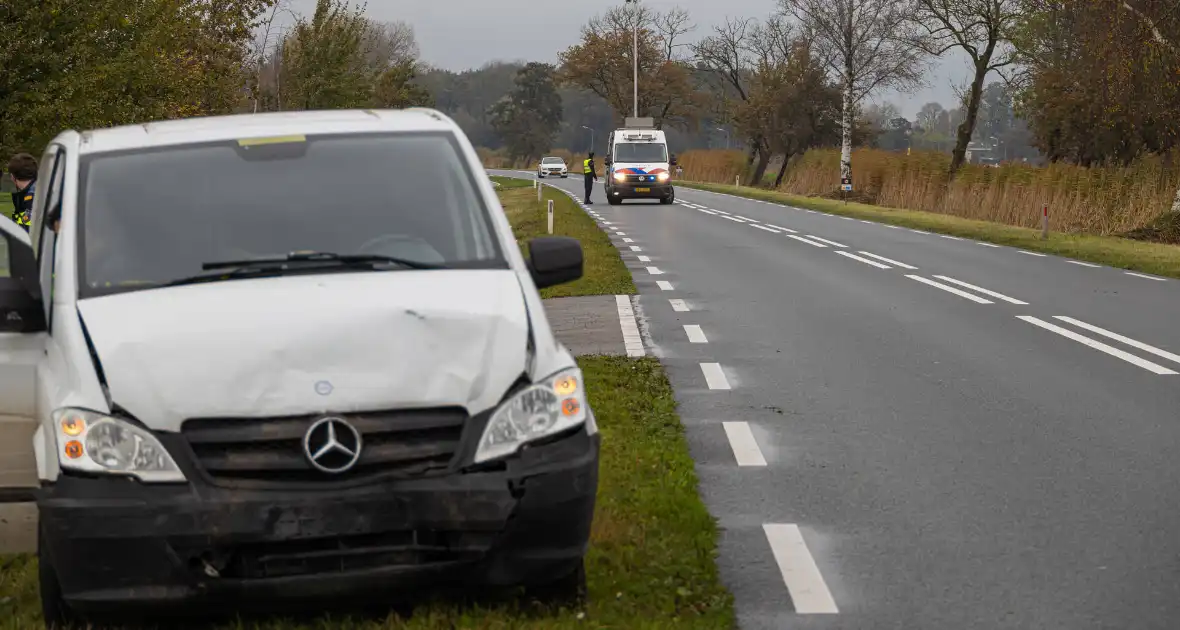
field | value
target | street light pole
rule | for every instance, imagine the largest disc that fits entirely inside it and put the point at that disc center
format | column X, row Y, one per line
column 591, row 130
column 635, row 56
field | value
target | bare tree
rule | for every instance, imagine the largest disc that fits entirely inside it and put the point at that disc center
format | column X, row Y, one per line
column 864, row 46
column 981, row 29
column 390, row 44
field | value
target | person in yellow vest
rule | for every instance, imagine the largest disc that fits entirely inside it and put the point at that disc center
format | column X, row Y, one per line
column 589, row 174
column 22, row 169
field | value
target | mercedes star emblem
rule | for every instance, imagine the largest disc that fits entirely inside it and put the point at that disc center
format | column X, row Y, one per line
column 332, row 445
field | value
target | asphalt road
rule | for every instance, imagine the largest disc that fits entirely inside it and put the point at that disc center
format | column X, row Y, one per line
column 904, row 430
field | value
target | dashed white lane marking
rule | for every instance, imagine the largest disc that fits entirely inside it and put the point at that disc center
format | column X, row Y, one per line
column 1083, row 264
column 679, row 306
column 707, row 211
column 863, row 221
column 607, row 223
column 848, row 218
column 939, row 285
column 644, row 259
column 893, row 227
column 1117, row 337
column 889, row 260
column 982, row 290
column 631, row 338
column 695, row 334
column 655, row 271
column 617, row 233
column 628, row 240
column 812, row 212
column 664, row 285
column 1140, row 275
column 919, row 231
column 636, row 248
column 863, row 260
column 1031, row 253
column 745, row 447
column 745, row 218
column 714, row 376
column 987, row 244
column 779, row 227
column 732, row 219
column 824, row 240
column 763, row 227
column 953, row 238
column 801, row 575
column 800, row 238
column 1097, row 345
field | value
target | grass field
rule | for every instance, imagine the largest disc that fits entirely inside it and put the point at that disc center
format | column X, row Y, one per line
column 1148, row 257
column 651, row 560
column 604, row 271
column 512, row 182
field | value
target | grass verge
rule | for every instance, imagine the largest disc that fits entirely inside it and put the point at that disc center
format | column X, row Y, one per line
column 511, row 182
column 1154, row 258
column 652, row 554
column 604, row 271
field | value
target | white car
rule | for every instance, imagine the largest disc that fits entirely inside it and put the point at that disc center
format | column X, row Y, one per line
column 233, row 396
column 553, row 167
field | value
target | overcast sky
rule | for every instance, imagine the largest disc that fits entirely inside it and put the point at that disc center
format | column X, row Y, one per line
column 462, row 34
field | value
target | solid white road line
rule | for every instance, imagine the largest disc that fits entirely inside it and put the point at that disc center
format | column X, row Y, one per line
column 1097, row 345
column 801, row 575
column 695, row 334
column 1031, row 253
column 982, row 290
column 987, row 244
column 745, row 447
column 679, row 306
column 863, row 260
column 627, row 240
column 957, row 292
column 763, row 227
column 779, row 227
column 889, row 260
column 664, row 285
column 655, row 271
column 1083, row 264
column 1139, row 275
column 714, row 376
column 824, row 240
column 644, row 259
column 800, row 238
column 631, row 338
column 1117, row 337
column 636, row 248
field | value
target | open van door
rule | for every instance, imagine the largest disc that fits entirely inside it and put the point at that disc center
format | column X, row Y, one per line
column 22, row 347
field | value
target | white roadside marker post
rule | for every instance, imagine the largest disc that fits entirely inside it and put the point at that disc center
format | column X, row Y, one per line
column 1045, row 223
column 550, row 216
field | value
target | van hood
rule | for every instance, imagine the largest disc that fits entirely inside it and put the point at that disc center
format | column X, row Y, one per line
column 297, row 345
column 641, row 168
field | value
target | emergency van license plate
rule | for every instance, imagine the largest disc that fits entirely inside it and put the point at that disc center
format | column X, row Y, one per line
column 642, row 190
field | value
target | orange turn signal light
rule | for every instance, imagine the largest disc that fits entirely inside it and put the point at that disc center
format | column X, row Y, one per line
column 73, row 449
column 570, row 406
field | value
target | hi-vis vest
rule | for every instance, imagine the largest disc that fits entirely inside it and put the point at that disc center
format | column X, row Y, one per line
column 19, row 215
column 586, row 167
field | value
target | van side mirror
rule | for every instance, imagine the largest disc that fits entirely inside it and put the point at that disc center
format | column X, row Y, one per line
column 20, row 290
column 554, row 260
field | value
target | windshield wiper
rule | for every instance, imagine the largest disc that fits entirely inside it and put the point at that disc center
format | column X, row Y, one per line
column 319, row 257
column 304, row 261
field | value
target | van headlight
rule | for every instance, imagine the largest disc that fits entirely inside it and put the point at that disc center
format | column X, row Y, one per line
column 97, row 443
column 551, row 406
column 620, row 176
column 663, row 177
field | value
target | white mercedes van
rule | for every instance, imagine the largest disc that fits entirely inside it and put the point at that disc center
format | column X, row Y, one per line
column 289, row 358
column 638, row 163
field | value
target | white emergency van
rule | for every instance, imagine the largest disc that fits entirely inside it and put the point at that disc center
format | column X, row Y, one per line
column 638, row 164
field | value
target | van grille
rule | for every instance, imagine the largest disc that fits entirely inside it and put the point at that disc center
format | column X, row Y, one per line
column 268, row 451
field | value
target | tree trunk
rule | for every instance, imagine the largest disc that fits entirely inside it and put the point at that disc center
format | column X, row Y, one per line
column 1176, row 202
column 753, row 154
column 846, row 122
column 967, row 129
column 760, row 169
column 782, row 171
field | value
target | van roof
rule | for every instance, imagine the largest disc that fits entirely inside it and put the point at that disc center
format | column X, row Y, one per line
column 232, row 127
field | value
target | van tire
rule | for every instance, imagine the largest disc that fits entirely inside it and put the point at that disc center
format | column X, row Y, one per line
column 56, row 612
column 667, row 200
column 613, row 200
column 568, row 590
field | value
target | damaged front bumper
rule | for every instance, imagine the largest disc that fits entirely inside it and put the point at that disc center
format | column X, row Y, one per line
column 117, row 544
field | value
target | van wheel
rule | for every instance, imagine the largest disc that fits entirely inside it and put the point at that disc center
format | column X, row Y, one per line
column 667, row 200
column 612, row 200
column 569, row 590
column 54, row 609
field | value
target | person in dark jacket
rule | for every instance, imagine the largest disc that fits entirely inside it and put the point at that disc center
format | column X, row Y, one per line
column 22, row 168
column 589, row 174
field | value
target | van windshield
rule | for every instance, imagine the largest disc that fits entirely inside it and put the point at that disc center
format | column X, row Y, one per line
column 640, row 152
column 154, row 216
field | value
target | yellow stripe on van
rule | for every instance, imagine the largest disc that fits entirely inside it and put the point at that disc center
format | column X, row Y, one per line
column 251, row 142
